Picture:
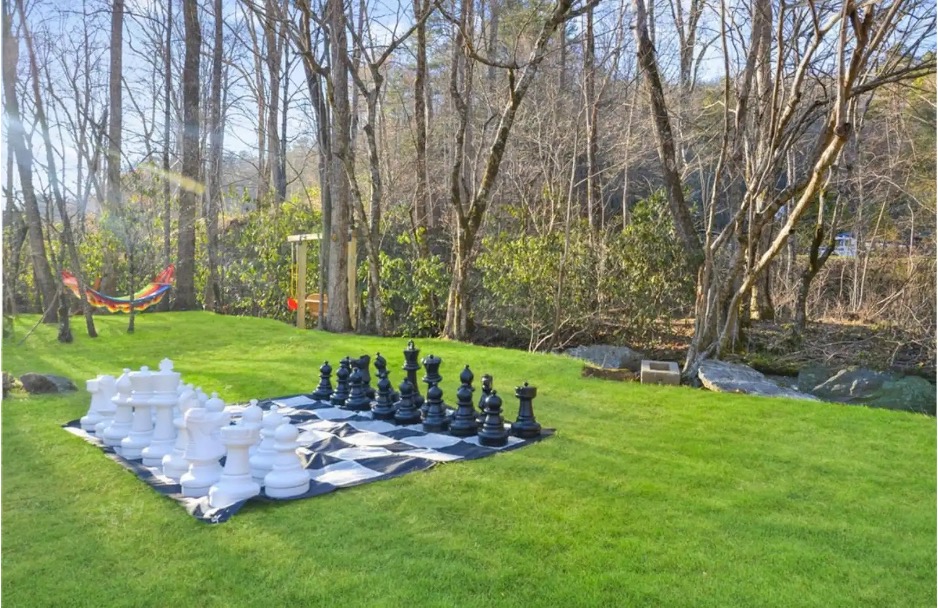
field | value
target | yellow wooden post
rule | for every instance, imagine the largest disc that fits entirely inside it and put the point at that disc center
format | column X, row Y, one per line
column 301, row 284
column 353, row 280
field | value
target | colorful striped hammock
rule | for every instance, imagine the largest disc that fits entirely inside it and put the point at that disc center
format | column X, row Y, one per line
column 143, row 299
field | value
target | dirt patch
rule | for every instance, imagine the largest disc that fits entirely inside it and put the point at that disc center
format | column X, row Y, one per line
column 621, row 375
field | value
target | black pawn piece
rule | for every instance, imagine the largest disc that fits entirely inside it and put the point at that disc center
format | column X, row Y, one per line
column 411, row 354
column 341, row 393
column 493, row 433
column 486, row 391
column 358, row 399
column 407, row 412
column 464, row 420
column 435, row 419
column 383, row 409
column 526, row 427
column 324, row 390
column 364, row 363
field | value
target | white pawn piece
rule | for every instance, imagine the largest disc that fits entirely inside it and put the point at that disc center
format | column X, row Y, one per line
column 165, row 397
column 202, row 453
column 216, row 406
column 236, row 482
column 123, row 413
column 252, row 417
column 203, row 398
column 107, row 387
column 141, row 432
column 263, row 459
column 287, row 478
column 175, row 464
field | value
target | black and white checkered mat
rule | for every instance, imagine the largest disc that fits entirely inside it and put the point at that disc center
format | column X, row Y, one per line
column 340, row 448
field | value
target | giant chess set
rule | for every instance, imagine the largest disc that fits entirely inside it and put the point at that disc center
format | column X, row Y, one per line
column 213, row 457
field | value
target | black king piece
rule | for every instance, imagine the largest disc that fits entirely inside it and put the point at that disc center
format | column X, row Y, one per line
column 411, row 366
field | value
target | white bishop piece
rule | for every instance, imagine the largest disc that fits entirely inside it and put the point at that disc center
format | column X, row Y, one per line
column 175, row 463
column 203, row 453
column 287, row 478
column 141, row 432
column 164, row 399
column 101, row 389
column 263, row 458
column 123, row 414
column 107, row 388
column 216, row 406
column 236, row 482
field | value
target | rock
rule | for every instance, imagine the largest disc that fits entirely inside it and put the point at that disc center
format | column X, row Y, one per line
column 861, row 386
column 811, row 376
column 851, row 384
column 10, row 383
column 46, row 383
column 724, row 377
column 609, row 357
column 909, row 394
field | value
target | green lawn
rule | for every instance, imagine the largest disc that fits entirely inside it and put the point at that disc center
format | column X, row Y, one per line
column 661, row 496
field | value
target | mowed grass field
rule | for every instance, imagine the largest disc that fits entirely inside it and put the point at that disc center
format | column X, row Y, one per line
column 646, row 496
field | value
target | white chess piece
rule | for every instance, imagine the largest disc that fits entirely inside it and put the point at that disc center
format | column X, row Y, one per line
column 175, row 464
column 107, row 387
column 236, row 482
column 263, row 458
column 216, row 406
column 203, row 454
column 163, row 401
column 92, row 417
column 123, row 414
column 287, row 478
column 141, row 431
column 252, row 417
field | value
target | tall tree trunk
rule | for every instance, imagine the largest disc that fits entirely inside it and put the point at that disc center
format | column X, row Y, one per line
column 217, row 122
column 24, row 164
column 167, row 111
column 423, row 217
column 273, row 42
column 593, row 198
column 191, row 188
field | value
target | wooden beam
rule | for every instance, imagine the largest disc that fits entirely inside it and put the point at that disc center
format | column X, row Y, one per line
column 301, row 284
column 299, row 238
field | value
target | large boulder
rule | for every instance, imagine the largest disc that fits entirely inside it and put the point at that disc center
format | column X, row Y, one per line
column 862, row 386
column 909, row 394
column 46, row 383
column 609, row 357
column 726, row 377
column 852, row 384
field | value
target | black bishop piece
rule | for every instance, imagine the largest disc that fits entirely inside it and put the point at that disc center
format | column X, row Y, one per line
column 358, row 400
column 341, row 394
column 526, row 427
column 431, row 366
column 435, row 419
column 493, row 433
column 381, row 367
column 407, row 412
column 383, row 409
column 486, row 391
column 464, row 420
column 324, row 390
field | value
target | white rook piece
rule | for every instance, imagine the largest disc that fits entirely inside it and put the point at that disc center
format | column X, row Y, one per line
column 263, row 458
column 107, row 387
column 236, row 482
column 141, row 431
column 203, row 454
column 164, row 399
column 287, row 478
column 175, row 464
column 123, row 414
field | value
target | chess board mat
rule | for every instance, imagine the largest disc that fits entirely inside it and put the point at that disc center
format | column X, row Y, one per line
column 339, row 448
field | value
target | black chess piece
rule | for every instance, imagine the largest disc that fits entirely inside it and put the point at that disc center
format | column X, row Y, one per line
column 431, row 366
column 407, row 412
column 357, row 400
column 435, row 419
column 381, row 365
column 341, row 393
column 324, row 390
column 493, row 433
column 526, row 427
column 486, row 391
column 383, row 409
column 411, row 354
column 464, row 420
column 364, row 363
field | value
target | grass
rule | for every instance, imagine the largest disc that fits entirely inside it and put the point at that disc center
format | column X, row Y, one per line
column 651, row 496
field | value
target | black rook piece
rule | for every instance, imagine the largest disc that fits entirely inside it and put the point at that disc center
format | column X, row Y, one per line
column 341, row 384
column 383, row 409
column 324, row 390
column 464, row 420
column 526, row 427
column 493, row 433
column 357, row 399
column 435, row 420
column 411, row 354
column 486, row 391
column 406, row 412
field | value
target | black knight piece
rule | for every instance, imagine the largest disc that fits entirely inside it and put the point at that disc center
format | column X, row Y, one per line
column 340, row 395
column 464, row 420
column 435, row 419
column 526, row 427
column 411, row 355
column 324, row 390
column 383, row 409
column 407, row 412
column 364, row 363
column 357, row 400
column 493, row 433
column 486, row 391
